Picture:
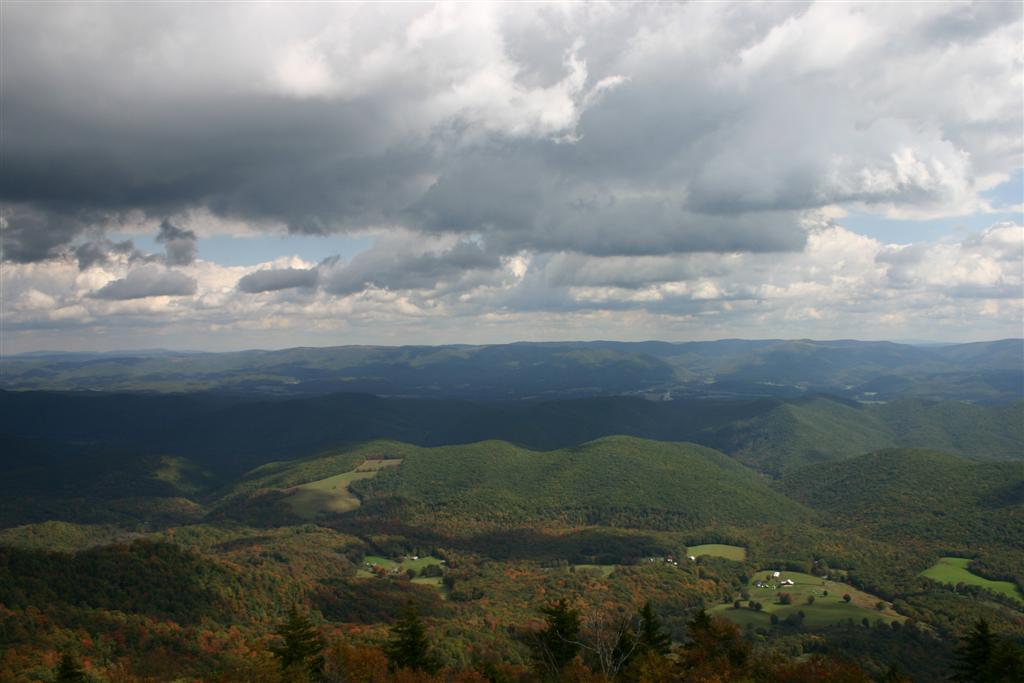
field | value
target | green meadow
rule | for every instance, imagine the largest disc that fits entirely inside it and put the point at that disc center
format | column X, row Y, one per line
column 331, row 494
column 401, row 565
column 729, row 552
column 605, row 570
column 954, row 570
column 828, row 606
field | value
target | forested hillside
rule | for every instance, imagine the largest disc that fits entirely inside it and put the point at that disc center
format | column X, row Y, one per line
column 231, row 435
column 984, row 372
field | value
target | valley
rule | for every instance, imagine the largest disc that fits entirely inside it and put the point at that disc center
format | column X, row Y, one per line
column 169, row 534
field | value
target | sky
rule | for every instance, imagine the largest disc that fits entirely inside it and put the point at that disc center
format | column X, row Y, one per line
column 258, row 175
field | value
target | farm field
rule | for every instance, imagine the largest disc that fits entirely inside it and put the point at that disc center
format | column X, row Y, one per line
column 403, row 565
column 729, row 552
column 605, row 570
column 954, row 570
column 825, row 610
column 331, row 494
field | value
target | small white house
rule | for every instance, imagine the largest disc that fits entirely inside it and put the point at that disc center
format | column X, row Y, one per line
column 775, row 575
column 787, row 582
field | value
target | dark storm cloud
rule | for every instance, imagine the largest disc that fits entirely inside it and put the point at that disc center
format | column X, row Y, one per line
column 276, row 279
column 634, row 130
column 148, row 281
column 179, row 245
column 516, row 199
column 32, row 233
column 398, row 265
column 97, row 252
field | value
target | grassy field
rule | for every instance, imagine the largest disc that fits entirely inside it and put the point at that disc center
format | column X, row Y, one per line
column 826, row 609
column 331, row 495
column 401, row 566
column 954, row 570
column 729, row 552
column 604, row 569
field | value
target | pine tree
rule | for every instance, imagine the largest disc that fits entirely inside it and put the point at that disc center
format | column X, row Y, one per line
column 69, row 671
column 651, row 637
column 409, row 647
column 985, row 658
column 302, row 646
column 559, row 643
column 973, row 655
column 645, row 643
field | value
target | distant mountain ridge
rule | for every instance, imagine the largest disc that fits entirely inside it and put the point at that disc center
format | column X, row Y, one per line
column 976, row 372
column 230, row 433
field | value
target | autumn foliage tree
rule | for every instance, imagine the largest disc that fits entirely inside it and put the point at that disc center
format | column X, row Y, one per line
column 714, row 645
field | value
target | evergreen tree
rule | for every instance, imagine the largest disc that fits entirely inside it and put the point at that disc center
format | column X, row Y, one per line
column 894, row 674
column 983, row 657
column 1007, row 663
column 559, row 642
column 69, row 671
column 301, row 649
column 651, row 637
column 973, row 655
column 409, row 647
column 646, row 641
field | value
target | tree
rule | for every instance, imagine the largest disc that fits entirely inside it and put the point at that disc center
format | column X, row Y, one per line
column 983, row 657
column 651, row 636
column 69, row 671
column 716, row 647
column 810, row 599
column 894, row 674
column 846, row 598
column 301, row 648
column 409, row 647
column 785, row 599
column 347, row 663
column 558, row 644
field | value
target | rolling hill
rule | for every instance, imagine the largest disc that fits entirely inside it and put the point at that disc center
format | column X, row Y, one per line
column 227, row 436
column 979, row 372
column 909, row 495
column 615, row 481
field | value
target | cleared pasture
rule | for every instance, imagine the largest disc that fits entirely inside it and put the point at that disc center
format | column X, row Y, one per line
column 331, row 494
column 954, row 570
column 605, row 570
column 729, row 552
column 825, row 610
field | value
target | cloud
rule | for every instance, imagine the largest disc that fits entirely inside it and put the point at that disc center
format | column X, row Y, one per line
column 179, row 244
column 276, row 279
column 148, row 281
column 604, row 130
column 33, row 234
column 581, row 169
column 840, row 285
column 404, row 262
column 101, row 250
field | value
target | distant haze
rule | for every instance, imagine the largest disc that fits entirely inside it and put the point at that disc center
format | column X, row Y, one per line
column 226, row 176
